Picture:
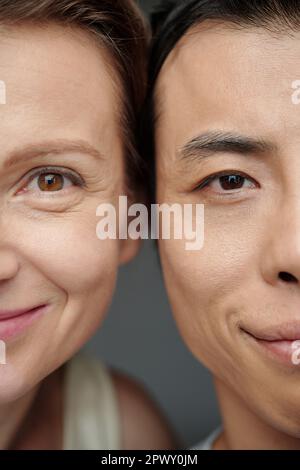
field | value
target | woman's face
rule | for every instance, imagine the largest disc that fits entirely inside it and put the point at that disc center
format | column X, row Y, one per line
column 61, row 119
column 230, row 93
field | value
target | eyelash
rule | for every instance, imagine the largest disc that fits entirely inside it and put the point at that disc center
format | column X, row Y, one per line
column 204, row 184
column 73, row 177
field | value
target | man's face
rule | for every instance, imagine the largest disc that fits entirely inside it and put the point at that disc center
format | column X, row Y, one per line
column 61, row 103
column 232, row 92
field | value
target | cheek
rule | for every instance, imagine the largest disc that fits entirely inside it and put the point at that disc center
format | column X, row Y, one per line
column 65, row 251
column 216, row 268
column 204, row 286
column 63, row 261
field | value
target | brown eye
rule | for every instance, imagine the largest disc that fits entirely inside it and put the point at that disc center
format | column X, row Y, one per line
column 220, row 183
column 230, row 182
column 50, row 182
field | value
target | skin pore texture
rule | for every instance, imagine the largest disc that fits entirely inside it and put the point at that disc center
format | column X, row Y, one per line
column 62, row 113
column 236, row 84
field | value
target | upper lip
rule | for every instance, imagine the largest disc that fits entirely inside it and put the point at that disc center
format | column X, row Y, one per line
column 283, row 332
column 6, row 314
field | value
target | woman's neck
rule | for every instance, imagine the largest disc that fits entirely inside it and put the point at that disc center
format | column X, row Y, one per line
column 37, row 421
column 12, row 416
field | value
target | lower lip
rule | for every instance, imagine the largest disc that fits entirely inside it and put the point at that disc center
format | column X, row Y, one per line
column 11, row 327
column 281, row 350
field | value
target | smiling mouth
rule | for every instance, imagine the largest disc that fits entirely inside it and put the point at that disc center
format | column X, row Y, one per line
column 7, row 314
column 281, row 345
column 13, row 322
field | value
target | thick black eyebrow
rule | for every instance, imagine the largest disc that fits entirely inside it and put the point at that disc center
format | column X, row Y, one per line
column 204, row 145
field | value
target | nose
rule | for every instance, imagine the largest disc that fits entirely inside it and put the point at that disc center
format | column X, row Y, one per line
column 9, row 265
column 281, row 253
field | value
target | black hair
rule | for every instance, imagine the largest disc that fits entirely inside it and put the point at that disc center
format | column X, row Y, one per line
column 170, row 22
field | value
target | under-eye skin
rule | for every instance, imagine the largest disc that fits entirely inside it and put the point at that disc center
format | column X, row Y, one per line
column 47, row 181
column 231, row 183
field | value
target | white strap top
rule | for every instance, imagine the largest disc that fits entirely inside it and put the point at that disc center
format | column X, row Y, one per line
column 207, row 443
column 91, row 414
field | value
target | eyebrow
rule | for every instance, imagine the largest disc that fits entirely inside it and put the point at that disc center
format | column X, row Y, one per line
column 209, row 143
column 56, row 147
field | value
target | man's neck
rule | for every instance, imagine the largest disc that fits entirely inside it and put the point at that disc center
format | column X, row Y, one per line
column 245, row 430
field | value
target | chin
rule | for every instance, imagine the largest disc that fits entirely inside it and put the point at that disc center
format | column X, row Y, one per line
column 286, row 423
column 13, row 383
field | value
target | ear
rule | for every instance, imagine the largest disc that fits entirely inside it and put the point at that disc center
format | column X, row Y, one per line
column 129, row 249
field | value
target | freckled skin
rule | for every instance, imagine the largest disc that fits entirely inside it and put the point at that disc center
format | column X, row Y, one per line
column 236, row 81
column 49, row 250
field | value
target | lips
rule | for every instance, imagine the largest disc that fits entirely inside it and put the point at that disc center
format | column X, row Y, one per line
column 13, row 322
column 6, row 314
column 281, row 342
column 288, row 331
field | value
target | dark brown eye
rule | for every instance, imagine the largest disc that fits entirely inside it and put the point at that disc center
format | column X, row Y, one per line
column 220, row 183
column 230, row 182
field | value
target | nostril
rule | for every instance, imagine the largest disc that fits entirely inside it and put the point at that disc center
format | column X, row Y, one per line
column 287, row 277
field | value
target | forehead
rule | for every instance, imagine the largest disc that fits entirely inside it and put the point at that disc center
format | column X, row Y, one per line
column 58, row 83
column 229, row 79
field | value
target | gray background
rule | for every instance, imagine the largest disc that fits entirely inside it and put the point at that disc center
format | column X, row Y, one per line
column 139, row 337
